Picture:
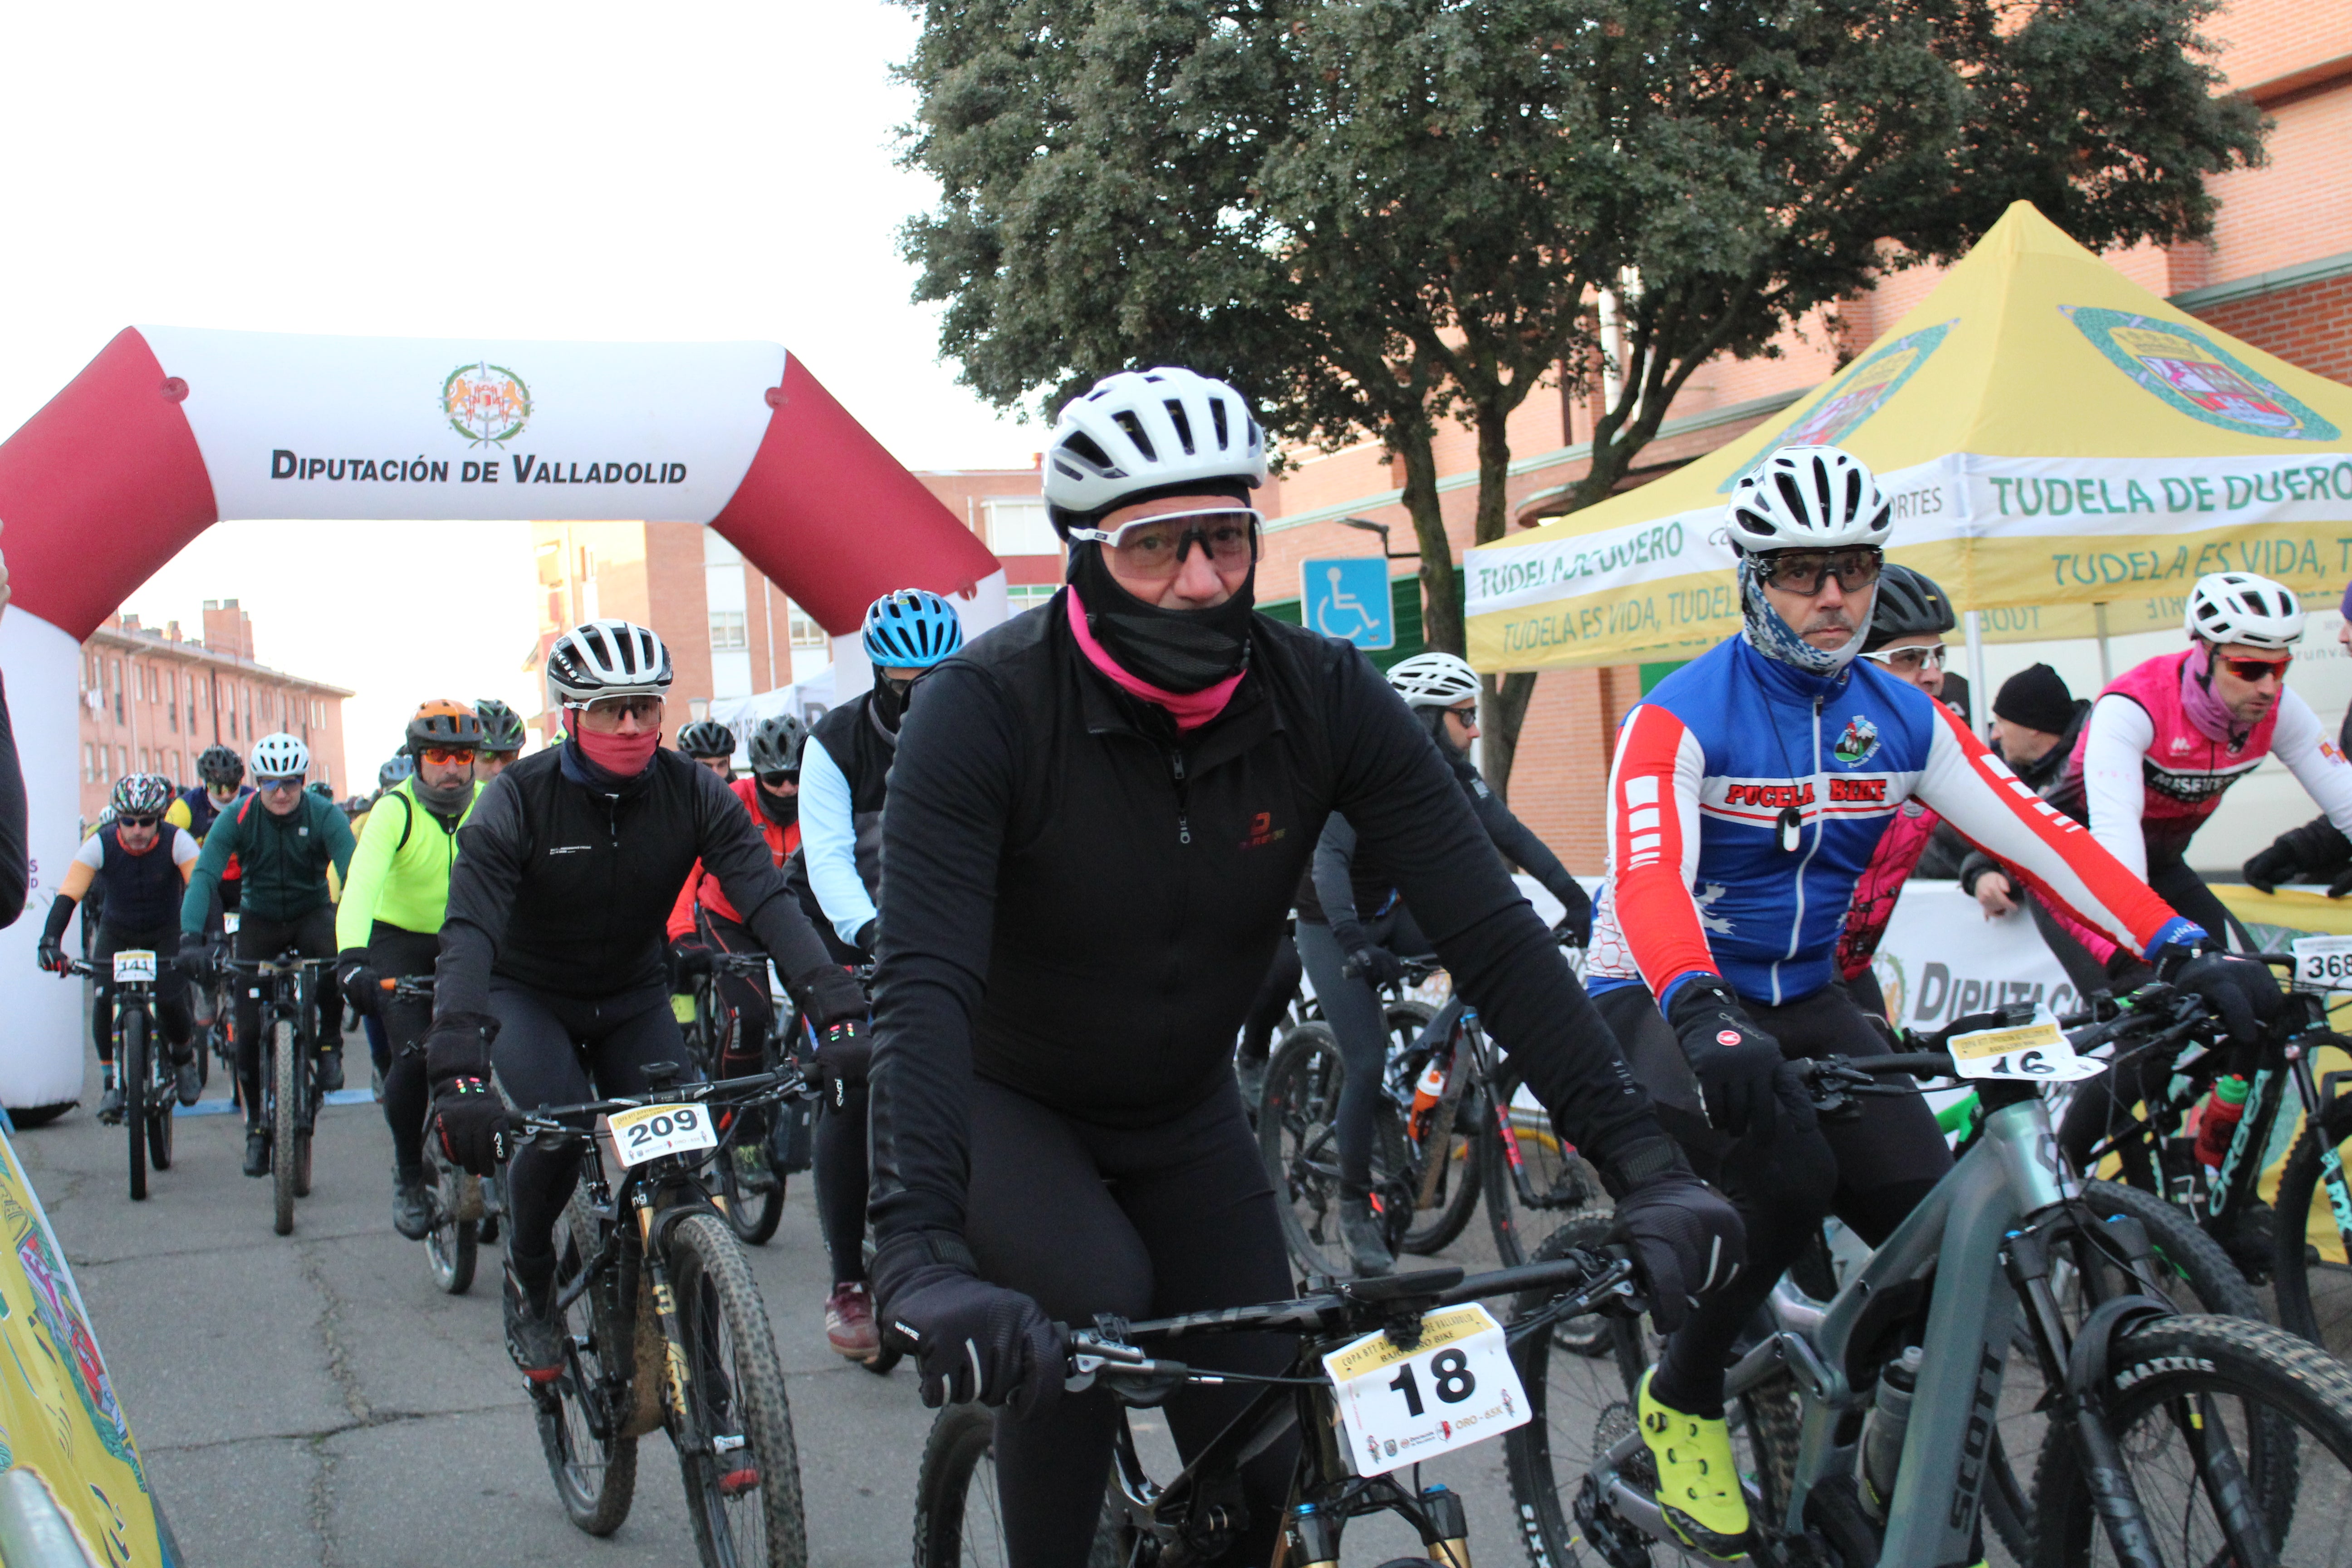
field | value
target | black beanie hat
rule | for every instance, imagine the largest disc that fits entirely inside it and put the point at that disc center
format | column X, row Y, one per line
column 2035, row 698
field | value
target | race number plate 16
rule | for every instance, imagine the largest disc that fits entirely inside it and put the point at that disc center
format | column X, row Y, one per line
column 649, row 1131
column 1455, row 1388
column 2323, row 962
column 134, row 963
column 2038, row 1052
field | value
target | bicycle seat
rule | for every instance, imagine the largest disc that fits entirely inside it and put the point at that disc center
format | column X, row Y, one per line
column 1422, row 1282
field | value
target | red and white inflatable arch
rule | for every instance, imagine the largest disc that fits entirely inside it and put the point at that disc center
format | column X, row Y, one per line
column 170, row 430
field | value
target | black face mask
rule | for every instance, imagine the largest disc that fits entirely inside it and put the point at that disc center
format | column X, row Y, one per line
column 890, row 699
column 445, row 800
column 1177, row 650
column 783, row 812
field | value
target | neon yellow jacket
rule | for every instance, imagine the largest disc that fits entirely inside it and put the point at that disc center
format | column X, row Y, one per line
column 400, row 873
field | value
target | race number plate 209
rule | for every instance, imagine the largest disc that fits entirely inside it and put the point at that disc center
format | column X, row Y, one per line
column 134, row 963
column 1455, row 1388
column 649, row 1131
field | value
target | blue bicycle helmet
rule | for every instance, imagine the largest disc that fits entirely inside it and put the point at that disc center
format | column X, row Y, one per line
column 912, row 628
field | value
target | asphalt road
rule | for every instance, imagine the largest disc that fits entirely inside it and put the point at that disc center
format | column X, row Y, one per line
column 316, row 1399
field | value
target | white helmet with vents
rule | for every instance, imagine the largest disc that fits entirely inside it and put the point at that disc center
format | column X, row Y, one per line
column 1147, row 430
column 2239, row 607
column 607, row 658
column 1434, row 681
column 280, row 756
column 1807, row 497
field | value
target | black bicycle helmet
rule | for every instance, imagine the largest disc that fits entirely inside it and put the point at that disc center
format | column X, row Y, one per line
column 220, row 766
column 1909, row 605
column 707, row 738
column 501, row 726
column 777, row 743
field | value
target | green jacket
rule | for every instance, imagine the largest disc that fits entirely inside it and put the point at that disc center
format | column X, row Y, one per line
column 400, row 874
column 283, row 859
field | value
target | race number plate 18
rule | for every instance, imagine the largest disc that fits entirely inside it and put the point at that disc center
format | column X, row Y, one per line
column 1455, row 1388
column 649, row 1131
column 2323, row 962
column 134, row 963
column 2038, row 1052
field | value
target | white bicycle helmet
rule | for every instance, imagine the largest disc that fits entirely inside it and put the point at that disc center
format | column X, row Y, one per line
column 1434, row 681
column 1147, row 430
column 280, row 756
column 2239, row 607
column 1807, row 497
column 607, row 658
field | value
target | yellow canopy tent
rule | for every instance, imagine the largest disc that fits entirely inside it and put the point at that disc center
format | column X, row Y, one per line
column 2052, row 436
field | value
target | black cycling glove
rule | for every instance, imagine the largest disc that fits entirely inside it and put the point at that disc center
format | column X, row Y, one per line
column 1738, row 1065
column 1686, row 1237
column 972, row 1341
column 2239, row 990
column 687, row 957
column 1376, row 966
column 867, row 935
column 362, row 987
column 195, row 957
column 844, row 1053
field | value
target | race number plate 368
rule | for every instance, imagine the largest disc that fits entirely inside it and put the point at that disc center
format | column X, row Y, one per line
column 1455, row 1388
column 134, row 963
column 2323, row 962
column 649, row 1131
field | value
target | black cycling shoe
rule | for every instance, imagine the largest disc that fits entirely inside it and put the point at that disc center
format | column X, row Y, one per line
column 330, row 1071
column 411, row 1210
column 256, row 1151
column 1367, row 1238
column 531, row 1333
column 190, row 1087
column 110, row 1106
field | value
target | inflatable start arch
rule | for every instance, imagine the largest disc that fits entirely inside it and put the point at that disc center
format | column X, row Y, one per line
column 170, row 430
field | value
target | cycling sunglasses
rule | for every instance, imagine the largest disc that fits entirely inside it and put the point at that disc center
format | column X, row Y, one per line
column 1802, row 571
column 2258, row 669
column 612, row 710
column 138, row 821
column 1467, row 711
column 444, row 756
column 277, row 786
column 1155, row 547
column 1910, row 659
column 776, row 781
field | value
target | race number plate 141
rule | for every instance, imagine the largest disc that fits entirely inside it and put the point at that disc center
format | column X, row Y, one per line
column 1455, row 1388
column 134, row 963
column 648, row 1132
column 2323, row 962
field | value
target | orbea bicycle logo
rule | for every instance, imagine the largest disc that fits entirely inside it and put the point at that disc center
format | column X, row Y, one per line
column 2196, row 377
column 487, row 404
column 1859, row 740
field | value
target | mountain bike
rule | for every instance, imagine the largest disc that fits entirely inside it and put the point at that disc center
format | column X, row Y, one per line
column 1389, row 1372
column 663, row 1325
column 748, row 1168
column 467, row 1208
column 150, row 1088
column 2163, row 1437
column 288, row 986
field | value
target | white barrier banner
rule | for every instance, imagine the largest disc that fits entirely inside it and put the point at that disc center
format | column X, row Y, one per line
column 1943, row 960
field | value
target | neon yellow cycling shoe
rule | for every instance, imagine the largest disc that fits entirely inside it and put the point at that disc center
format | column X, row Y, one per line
column 1698, row 1485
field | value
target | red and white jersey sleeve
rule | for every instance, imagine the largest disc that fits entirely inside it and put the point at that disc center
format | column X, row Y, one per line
column 2057, row 857
column 1649, row 924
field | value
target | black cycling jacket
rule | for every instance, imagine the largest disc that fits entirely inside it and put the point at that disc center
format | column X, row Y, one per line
column 1078, row 903
column 566, row 886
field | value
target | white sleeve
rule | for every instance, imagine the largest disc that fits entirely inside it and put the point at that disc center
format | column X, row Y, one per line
column 183, row 847
column 92, row 853
column 2300, row 742
column 829, row 839
column 2113, row 783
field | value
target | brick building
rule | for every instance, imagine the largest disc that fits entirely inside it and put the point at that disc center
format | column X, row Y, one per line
column 150, row 700
column 2277, row 273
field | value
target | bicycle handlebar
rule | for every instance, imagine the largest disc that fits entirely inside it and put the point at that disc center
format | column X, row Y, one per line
column 557, row 1119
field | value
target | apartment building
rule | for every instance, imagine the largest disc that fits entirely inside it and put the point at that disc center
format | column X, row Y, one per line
column 152, row 700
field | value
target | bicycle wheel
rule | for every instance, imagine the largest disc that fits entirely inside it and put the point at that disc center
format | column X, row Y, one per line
column 744, row 1493
column 753, row 1213
column 2310, row 1267
column 285, row 1082
column 1298, row 1131
column 580, row 1415
column 1580, row 1379
column 163, row 1093
column 958, row 1521
column 2237, row 1437
column 1521, row 1146
column 452, row 1247
column 130, row 1062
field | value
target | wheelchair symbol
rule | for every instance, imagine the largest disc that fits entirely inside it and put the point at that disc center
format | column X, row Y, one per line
column 1333, row 616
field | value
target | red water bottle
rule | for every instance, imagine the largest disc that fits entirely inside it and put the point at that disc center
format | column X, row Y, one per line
column 2223, row 1110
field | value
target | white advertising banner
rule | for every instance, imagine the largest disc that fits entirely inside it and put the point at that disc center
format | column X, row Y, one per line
column 299, row 427
column 1942, row 959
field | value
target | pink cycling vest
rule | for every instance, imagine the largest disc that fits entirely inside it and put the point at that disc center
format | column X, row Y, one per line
column 2186, row 772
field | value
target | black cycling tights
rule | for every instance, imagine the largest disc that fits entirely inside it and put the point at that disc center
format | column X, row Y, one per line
column 556, row 1050
column 1143, row 1222
column 1358, row 1020
column 313, row 936
column 1870, row 1171
column 393, row 954
column 1272, row 1004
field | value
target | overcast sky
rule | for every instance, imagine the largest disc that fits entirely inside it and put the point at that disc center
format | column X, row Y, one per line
column 695, row 171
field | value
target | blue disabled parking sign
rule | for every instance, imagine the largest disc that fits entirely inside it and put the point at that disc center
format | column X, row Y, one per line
column 1350, row 598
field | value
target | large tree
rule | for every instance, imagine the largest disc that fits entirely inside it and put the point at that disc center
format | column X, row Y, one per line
column 1379, row 216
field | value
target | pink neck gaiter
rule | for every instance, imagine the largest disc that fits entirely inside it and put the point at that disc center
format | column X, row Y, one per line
column 2206, row 710
column 623, row 756
column 1190, row 710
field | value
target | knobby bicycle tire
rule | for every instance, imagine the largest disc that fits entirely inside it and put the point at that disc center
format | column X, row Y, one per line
column 453, row 1247
column 285, row 1075
column 753, row 1217
column 162, row 1094
column 130, row 1064
column 736, row 1393
column 2291, row 1436
column 1298, row 1133
column 1564, row 1187
column 958, row 1520
column 579, row 1417
column 2315, row 1295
